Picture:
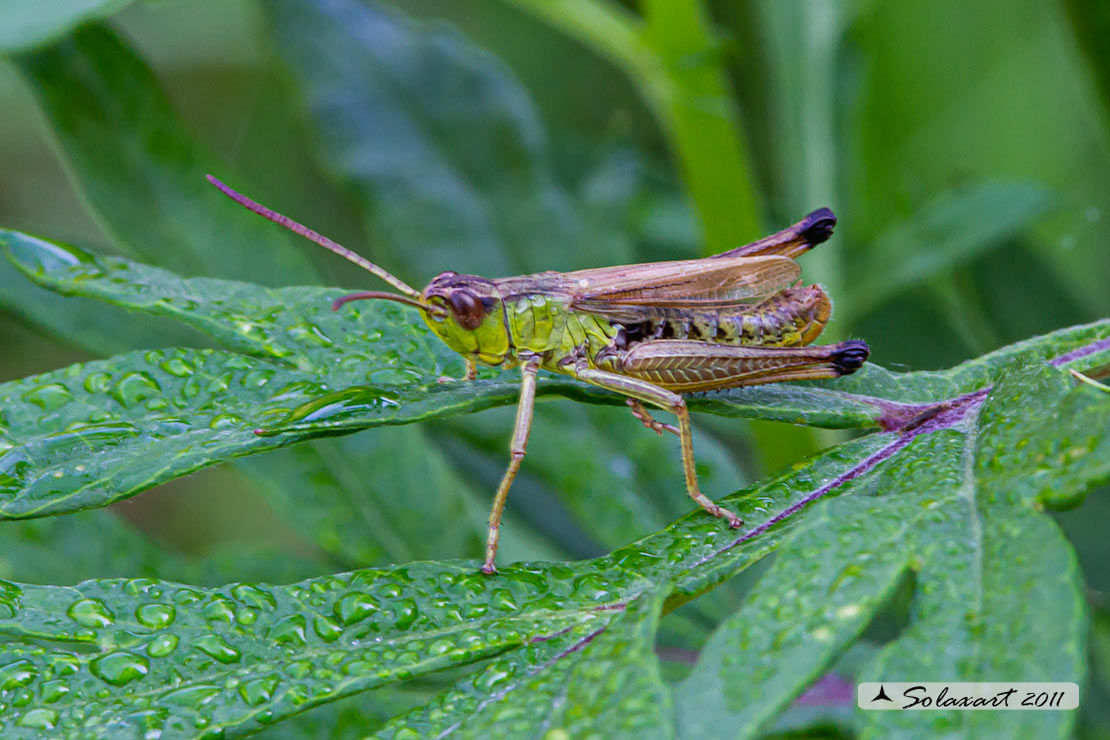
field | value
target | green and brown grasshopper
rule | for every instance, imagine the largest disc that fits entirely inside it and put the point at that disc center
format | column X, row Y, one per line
column 650, row 332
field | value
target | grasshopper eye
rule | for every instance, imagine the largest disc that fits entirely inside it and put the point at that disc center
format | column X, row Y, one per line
column 466, row 308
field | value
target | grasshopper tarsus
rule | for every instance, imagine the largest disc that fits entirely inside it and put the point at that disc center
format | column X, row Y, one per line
column 650, row 332
column 734, row 520
column 470, row 373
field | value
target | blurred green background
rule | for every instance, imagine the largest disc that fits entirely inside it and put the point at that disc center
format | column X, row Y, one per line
column 963, row 146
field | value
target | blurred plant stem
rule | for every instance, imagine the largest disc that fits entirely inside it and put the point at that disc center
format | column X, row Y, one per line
column 1090, row 22
column 804, row 41
column 672, row 57
column 960, row 304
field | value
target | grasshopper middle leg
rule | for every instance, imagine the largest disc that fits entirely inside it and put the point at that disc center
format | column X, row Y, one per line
column 646, row 419
column 642, row 390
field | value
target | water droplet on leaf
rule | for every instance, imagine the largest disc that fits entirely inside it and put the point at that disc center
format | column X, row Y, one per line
column 119, row 668
column 90, row 613
column 155, row 616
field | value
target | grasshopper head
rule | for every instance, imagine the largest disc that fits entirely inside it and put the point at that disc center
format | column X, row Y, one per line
column 465, row 311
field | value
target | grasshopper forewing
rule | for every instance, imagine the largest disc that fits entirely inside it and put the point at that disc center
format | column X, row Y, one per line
column 649, row 332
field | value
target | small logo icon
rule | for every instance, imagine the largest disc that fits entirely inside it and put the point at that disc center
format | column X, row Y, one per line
column 882, row 694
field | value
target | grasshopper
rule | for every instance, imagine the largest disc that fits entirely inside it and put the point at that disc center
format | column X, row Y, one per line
column 649, row 332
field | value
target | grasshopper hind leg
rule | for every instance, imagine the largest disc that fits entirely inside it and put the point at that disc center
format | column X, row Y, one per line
column 643, row 391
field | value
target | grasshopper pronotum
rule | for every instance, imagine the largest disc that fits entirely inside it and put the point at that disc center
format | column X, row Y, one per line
column 650, row 332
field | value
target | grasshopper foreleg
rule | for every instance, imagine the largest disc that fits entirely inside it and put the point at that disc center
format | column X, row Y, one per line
column 642, row 390
column 516, row 449
column 646, row 419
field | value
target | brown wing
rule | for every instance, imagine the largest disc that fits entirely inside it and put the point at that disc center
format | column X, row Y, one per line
column 791, row 241
column 681, row 284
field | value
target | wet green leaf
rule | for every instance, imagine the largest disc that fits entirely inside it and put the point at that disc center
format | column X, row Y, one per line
column 996, row 583
column 600, row 684
column 288, row 648
column 330, row 636
column 88, row 325
column 157, row 656
column 140, row 170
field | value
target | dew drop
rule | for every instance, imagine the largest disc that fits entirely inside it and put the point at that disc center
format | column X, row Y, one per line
column 19, row 673
column 290, row 630
column 439, row 647
column 219, row 609
column 98, row 382
column 406, row 614
column 297, row 695
column 155, row 616
column 162, row 645
column 192, row 696
column 354, row 607
column 39, row 719
column 256, row 378
column 22, row 698
column 254, row 596
column 225, row 421
column 308, row 333
column 134, row 388
column 90, row 613
column 157, row 404
column 327, row 630
column 216, row 647
column 54, row 690
column 299, row 668
column 64, row 665
column 119, row 668
column 49, row 397
column 177, row 367
column 390, row 590
column 258, row 691
column 187, row 596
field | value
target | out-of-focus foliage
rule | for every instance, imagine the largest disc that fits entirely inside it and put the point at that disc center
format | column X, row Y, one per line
column 963, row 147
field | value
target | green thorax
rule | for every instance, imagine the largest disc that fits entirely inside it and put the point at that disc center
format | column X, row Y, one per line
column 543, row 324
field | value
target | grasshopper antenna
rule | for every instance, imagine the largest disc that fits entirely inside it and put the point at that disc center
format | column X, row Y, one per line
column 320, row 239
column 379, row 294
